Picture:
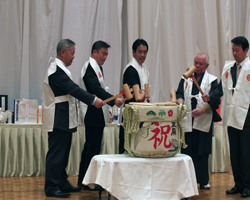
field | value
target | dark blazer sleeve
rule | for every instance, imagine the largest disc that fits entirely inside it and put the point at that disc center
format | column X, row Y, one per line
column 94, row 87
column 217, row 92
column 215, row 99
column 61, row 84
column 180, row 90
column 94, row 116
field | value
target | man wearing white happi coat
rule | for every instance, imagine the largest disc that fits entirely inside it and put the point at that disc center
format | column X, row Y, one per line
column 198, row 122
column 235, row 88
column 92, row 79
column 134, row 73
column 59, row 118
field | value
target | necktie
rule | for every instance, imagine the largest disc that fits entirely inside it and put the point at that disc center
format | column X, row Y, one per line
column 101, row 70
column 238, row 69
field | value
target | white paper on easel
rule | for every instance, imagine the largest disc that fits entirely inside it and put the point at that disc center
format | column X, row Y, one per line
column 25, row 111
column 3, row 103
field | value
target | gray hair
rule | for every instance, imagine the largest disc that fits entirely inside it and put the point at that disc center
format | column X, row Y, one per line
column 65, row 43
column 203, row 54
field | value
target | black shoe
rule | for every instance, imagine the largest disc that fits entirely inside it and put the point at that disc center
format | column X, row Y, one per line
column 205, row 187
column 97, row 188
column 234, row 190
column 72, row 189
column 246, row 192
column 59, row 194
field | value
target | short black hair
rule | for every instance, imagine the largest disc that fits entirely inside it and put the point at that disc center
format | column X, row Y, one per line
column 139, row 42
column 242, row 41
column 64, row 43
column 98, row 45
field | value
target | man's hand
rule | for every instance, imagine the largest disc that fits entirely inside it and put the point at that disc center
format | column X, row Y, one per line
column 143, row 98
column 99, row 103
column 197, row 112
column 180, row 101
column 118, row 102
column 206, row 97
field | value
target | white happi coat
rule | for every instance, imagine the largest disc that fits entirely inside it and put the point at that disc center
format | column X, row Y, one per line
column 142, row 71
column 202, row 122
column 235, row 107
column 50, row 101
column 83, row 106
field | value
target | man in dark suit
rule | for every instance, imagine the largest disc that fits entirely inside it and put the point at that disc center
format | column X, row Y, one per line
column 235, row 88
column 95, row 119
column 60, row 118
column 134, row 73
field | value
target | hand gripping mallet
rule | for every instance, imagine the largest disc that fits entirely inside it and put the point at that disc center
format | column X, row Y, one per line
column 189, row 73
column 126, row 91
column 137, row 92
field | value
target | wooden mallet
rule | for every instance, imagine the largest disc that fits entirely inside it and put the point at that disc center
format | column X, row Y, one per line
column 147, row 90
column 137, row 93
column 126, row 91
column 172, row 95
column 189, row 73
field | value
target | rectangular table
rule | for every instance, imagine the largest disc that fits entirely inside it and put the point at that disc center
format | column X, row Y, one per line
column 126, row 177
column 23, row 149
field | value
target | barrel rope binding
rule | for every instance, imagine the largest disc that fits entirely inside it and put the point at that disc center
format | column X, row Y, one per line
column 131, row 125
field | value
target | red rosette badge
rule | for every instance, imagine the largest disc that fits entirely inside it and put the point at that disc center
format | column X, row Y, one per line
column 248, row 77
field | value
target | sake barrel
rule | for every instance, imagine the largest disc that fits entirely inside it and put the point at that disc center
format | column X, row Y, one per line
column 153, row 130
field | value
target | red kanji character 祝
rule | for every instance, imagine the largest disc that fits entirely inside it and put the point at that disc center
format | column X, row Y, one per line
column 163, row 130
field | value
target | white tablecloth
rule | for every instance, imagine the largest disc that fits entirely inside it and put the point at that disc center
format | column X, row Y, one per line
column 131, row 178
column 23, row 148
column 219, row 160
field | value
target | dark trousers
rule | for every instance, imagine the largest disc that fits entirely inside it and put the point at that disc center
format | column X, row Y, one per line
column 92, row 147
column 121, row 140
column 201, row 168
column 57, row 161
column 199, row 145
column 239, row 141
